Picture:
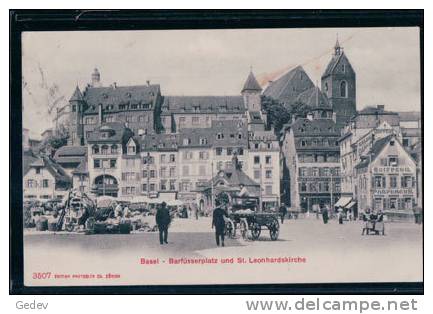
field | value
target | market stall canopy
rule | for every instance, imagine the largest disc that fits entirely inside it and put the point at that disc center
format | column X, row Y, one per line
column 350, row 205
column 140, row 199
column 154, row 201
column 343, row 201
column 174, row 203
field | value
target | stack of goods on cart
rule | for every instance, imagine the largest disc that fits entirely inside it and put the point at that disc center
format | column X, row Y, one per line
column 77, row 210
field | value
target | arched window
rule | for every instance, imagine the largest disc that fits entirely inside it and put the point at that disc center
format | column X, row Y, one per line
column 104, row 149
column 343, row 89
column 95, row 149
column 114, row 149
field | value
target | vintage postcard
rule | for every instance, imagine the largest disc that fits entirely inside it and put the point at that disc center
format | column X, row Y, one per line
column 229, row 156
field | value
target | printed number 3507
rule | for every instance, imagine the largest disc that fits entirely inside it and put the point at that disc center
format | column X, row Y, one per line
column 46, row 275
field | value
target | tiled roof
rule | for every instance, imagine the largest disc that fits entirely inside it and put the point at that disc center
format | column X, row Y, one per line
column 314, row 98
column 228, row 131
column 332, row 64
column 287, row 88
column 203, row 104
column 319, row 127
column 116, row 133
column 159, row 142
column 113, row 97
column 409, row 115
column 70, row 154
column 55, row 169
column 251, row 84
column 28, row 159
column 262, row 136
column 375, row 150
column 82, row 168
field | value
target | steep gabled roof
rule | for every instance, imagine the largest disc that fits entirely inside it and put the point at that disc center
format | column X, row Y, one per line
column 335, row 60
column 52, row 167
column 314, row 98
column 76, row 96
column 251, row 84
column 375, row 150
column 289, row 86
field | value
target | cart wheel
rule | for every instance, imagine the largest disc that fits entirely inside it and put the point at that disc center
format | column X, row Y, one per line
column 230, row 229
column 90, row 224
column 244, row 229
column 274, row 230
column 255, row 230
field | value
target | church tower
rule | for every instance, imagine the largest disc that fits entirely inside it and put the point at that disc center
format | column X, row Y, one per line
column 251, row 93
column 76, row 132
column 339, row 85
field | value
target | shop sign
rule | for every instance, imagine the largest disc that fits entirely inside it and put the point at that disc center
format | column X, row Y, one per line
column 393, row 192
column 392, row 170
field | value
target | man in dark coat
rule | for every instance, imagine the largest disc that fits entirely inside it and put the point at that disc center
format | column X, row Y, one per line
column 283, row 212
column 163, row 219
column 218, row 222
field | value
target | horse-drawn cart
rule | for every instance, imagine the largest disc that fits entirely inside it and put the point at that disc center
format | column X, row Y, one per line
column 252, row 223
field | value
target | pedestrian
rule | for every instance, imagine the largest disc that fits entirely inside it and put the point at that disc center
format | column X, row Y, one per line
column 218, row 221
column 163, row 220
column 325, row 216
column 283, row 212
column 340, row 215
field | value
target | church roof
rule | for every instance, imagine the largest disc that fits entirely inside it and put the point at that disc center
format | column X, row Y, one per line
column 314, row 98
column 251, row 84
column 76, row 96
column 203, row 104
column 287, row 88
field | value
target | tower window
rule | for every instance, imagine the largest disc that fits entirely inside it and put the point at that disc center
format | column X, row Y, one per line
column 343, row 89
column 343, row 68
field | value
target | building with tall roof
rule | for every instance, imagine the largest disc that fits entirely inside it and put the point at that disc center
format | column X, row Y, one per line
column 311, row 163
column 44, row 179
column 136, row 106
column 178, row 112
column 386, row 179
column 358, row 136
column 339, row 84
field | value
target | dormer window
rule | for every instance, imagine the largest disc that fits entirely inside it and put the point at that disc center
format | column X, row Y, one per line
column 186, row 141
column 220, row 136
column 203, row 141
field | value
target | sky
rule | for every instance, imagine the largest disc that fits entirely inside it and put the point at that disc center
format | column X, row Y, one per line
column 216, row 62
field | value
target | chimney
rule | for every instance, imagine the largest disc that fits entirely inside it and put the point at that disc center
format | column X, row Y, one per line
column 114, row 85
column 148, row 83
column 381, row 107
column 334, row 117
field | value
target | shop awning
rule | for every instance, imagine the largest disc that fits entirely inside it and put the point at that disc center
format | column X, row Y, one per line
column 350, row 205
column 343, row 201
